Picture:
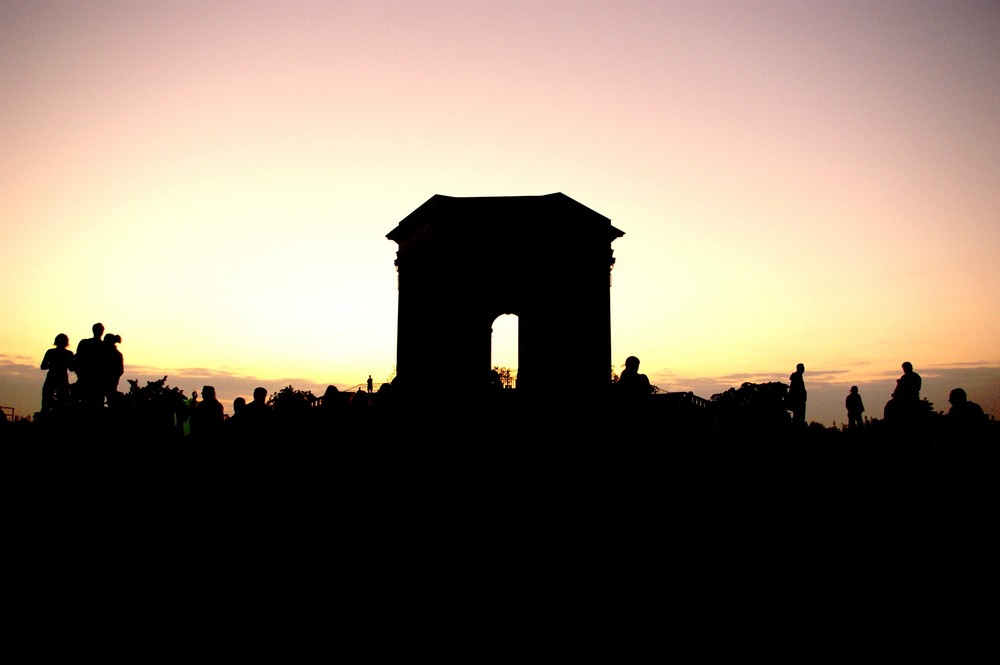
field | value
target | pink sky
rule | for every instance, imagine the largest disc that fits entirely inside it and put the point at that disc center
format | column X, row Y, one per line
column 798, row 182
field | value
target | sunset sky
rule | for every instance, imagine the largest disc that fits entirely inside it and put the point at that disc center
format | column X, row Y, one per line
column 808, row 181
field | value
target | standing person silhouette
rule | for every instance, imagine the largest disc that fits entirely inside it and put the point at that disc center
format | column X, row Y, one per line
column 187, row 412
column 369, row 383
column 257, row 410
column 208, row 416
column 331, row 408
column 855, row 407
column 904, row 407
column 259, row 416
column 236, row 424
column 797, row 395
column 112, row 367
column 238, row 405
column 87, row 367
column 633, row 395
column 57, row 360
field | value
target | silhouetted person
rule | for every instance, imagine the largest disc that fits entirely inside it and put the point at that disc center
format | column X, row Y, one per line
column 259, row 416
column 797, row 395
column 331, row 396
column 966, row 421
column 904, row 407
column 57, row 360
column 855, row 407
column 331, row 408
column 382, row 405
column 236, row 424
column 208, row 416
column 207, row 441
column 908, row 385
column 633, row 385
column 112, row 367
column 369, row 384
column 87, row 367
column 358, row 414
column 257, row 408
column 632, row 395
column 188, row 410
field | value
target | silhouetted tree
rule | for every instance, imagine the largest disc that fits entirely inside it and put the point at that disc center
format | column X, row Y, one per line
column 155, row 409
column 292, row 408
column 291, row 400
column 752, row 406
column 506, row 376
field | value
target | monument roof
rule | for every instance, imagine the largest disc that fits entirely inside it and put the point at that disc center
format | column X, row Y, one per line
column 534, row 209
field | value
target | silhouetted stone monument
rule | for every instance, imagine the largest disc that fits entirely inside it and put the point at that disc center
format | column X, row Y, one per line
column 462, row 262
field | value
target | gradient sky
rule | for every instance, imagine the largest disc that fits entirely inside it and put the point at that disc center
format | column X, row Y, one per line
column 813, row 182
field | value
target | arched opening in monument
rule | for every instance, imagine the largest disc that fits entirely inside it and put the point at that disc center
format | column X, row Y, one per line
column 503, row 347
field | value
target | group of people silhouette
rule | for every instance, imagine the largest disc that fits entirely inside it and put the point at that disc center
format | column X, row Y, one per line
column 905, row 416
column 97, row 363
column 903, row 408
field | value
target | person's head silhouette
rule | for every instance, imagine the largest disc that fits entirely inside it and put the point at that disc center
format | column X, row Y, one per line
column 62, row 340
